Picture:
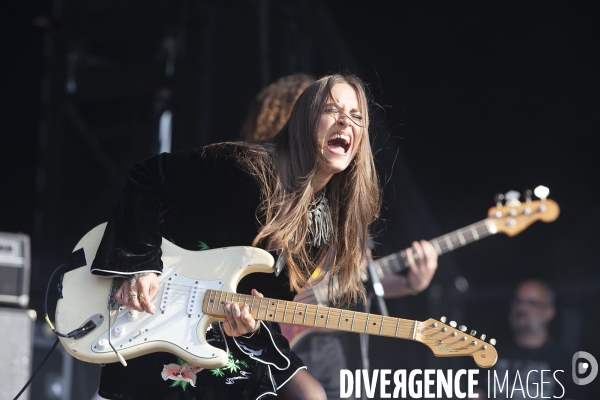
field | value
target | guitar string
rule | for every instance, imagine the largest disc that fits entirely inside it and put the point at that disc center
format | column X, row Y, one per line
column 310, row 311
column 358, row 320
column 480, row 227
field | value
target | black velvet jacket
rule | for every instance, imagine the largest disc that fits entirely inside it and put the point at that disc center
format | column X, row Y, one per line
column 195, row 199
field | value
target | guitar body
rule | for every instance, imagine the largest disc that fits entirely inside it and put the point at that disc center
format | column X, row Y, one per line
column 179, row 325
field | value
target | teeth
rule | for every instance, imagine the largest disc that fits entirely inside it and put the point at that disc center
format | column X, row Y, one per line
column 345, row 138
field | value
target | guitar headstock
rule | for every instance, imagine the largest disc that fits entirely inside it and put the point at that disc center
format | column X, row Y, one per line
column 514, row 217
column 449, row 341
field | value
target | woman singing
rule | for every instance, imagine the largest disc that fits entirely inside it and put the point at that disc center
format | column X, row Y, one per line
column 311, row 192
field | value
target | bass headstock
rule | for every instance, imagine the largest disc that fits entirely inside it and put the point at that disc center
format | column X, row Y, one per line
column 514, row 216
column 449, row 341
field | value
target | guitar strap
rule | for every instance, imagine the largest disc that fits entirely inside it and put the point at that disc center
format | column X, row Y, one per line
column 280, row 263
column 310, row 295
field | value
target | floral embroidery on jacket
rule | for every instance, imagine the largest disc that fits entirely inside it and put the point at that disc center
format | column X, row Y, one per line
column 182, row 373
column 233, row 366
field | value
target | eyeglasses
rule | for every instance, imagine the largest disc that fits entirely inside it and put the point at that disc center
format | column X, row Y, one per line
column 354, row 117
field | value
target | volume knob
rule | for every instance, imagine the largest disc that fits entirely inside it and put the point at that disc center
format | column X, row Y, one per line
column 118, row 331
column 102, row 344
column 132, row 315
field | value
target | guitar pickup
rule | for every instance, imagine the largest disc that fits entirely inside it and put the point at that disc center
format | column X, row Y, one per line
column 193, row 300
column 166, row 297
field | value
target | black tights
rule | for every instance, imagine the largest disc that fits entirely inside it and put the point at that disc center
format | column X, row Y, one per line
column 303, row 386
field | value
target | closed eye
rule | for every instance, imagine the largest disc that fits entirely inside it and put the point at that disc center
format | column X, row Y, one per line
column 332, row 110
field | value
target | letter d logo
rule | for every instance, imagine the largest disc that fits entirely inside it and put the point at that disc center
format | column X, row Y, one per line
column 583, row 367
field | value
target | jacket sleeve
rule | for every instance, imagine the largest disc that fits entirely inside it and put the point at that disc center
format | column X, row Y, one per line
column 131, row 241
column 268, row 346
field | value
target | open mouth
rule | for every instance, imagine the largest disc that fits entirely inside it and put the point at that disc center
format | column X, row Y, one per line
column 339, row 143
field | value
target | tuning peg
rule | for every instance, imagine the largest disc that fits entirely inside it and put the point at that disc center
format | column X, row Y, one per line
column 493, row 342
column 462, row 328
column 498, row 199
column 453, row 324
column 528, row 193
column 512, row 198
column 443, row 320
column 473, row 332
column 482, row 337
column 541, row 192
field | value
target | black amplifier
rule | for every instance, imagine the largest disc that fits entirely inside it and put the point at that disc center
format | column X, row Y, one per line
column 15, row 268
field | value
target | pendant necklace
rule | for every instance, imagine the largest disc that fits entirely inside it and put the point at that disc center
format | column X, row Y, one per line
column 319, row 220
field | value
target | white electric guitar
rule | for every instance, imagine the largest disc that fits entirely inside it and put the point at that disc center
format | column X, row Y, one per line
column 191, row 294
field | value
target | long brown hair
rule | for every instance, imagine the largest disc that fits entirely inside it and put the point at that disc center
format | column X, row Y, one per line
column 285, row 166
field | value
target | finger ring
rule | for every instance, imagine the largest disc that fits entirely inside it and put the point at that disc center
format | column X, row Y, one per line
column 132, row 296
column 122, row 295
column 415, row 255
column 141, row 297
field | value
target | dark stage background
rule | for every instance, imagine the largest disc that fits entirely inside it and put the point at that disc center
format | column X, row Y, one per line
column 476, row 98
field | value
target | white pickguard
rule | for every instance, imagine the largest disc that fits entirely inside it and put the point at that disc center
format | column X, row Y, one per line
column 170, row 324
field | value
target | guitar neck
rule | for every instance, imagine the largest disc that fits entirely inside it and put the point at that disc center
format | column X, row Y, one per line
column 290, row 312
column 398, row 262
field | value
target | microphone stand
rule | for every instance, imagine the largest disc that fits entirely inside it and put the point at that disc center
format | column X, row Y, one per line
column 374, row 289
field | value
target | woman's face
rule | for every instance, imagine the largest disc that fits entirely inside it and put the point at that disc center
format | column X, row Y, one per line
column 339, row 131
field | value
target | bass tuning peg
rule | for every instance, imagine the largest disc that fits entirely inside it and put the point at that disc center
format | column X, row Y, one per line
column 498, row 198
column 541, row 192
column 528, row 194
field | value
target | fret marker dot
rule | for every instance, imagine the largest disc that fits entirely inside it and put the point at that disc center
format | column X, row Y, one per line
column 270, row 315
column 346, row 319
column 374, row 324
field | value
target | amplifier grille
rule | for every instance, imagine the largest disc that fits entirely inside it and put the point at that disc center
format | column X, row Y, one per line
column 15, row 264
column 10, row 278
